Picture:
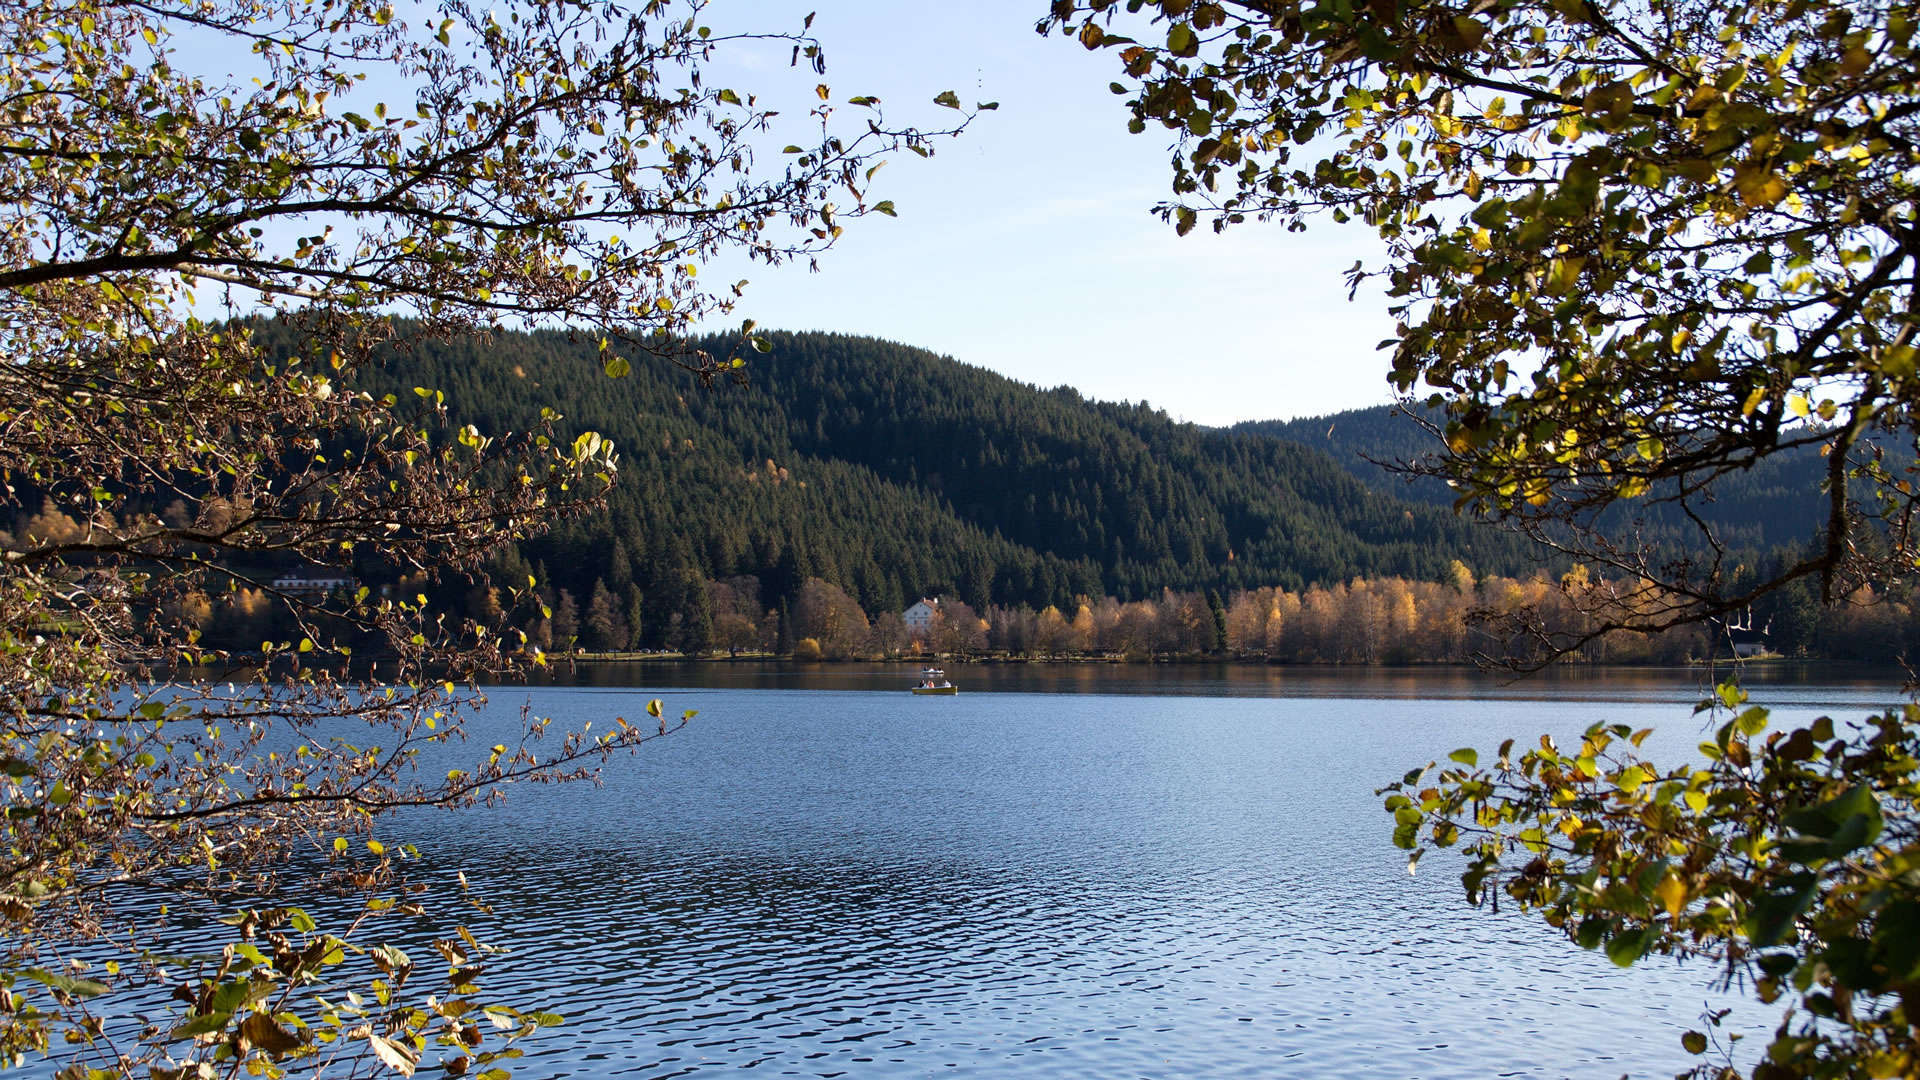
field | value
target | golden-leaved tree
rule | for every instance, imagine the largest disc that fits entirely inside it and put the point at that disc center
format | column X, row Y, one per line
column 1632, row 247
column 371, row 176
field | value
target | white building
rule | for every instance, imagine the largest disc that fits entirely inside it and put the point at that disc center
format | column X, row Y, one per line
column 311, row 588
column 920, row 616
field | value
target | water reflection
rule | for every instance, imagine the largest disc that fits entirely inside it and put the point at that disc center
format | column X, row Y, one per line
column 1572, row 683
column 1062, row 872
column 824, row 884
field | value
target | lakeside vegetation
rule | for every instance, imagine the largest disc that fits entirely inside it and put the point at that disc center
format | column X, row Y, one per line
column 1468, row 619
column 800, row 512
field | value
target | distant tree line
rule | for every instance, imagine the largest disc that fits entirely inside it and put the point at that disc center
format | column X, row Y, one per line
column 1362, row 621
column 801, row 513
column 896, row 473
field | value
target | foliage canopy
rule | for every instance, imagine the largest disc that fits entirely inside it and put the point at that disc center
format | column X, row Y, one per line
column 1632, row 247
column 167, row 168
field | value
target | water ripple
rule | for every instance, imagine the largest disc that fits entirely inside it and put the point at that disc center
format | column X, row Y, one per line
column 817, row 884
column 828, row 884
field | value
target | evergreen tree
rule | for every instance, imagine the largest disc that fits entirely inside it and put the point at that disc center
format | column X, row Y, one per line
column 619, row 568
column 693, row 628
column 635, row 624
column 1219, row 622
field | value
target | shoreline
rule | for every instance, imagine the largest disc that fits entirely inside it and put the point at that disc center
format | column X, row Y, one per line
column 1184, row 660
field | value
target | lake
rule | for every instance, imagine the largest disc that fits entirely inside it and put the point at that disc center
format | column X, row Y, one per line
column 1060, row 872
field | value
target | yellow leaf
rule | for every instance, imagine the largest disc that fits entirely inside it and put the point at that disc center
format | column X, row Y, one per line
column 1759, row 185
column 1564, row 273
column 1672, row 893
column 1887, row 1064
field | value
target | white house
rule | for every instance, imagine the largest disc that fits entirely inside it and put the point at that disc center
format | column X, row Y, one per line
column 920, row 616
column 316, row 587
column 1748, row 642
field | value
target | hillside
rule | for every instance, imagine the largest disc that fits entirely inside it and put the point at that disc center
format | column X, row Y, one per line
column 1777, row 504
column 894, row 473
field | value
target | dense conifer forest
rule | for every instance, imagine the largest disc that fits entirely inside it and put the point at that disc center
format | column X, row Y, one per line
column 1772, row 507
column 804, row 506
column 895, row 473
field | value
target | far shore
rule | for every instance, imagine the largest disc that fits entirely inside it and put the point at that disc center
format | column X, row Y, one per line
column 1176, row 659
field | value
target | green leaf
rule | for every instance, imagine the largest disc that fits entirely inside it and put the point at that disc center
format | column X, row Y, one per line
column 1466, row 755
column 205, row 1024
column 1632, row 778
column 1848, row 822
column 618, row 368
column 80, row 988
column 1770, row 918
column 947, row 98
column 1624, row 948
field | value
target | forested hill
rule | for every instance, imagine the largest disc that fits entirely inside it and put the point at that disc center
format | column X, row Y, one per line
column 896, row 473
column 1777, row 504
column 1357, row 439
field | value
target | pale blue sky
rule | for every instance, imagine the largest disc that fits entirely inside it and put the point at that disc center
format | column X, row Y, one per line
column 1027, row 245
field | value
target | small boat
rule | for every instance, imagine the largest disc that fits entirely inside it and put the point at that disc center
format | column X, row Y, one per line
column 934, row 681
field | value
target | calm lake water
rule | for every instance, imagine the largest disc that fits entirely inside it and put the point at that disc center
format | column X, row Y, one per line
column 1061, row 872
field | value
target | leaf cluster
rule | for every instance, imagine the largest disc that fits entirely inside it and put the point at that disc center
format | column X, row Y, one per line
column 1791, row 858
column 1631, row 247
column 168, row 171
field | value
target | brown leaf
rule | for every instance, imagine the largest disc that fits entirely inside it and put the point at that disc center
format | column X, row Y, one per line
column 265, row 1033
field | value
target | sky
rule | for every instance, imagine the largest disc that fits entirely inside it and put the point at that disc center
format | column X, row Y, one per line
column 1027, row 246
